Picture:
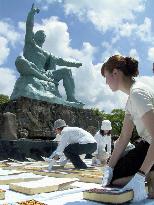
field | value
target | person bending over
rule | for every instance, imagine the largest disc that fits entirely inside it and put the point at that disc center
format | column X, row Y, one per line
column 74, row 142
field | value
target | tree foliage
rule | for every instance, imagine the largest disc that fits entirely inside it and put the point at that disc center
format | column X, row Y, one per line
column 116, row 117
column 4, row 99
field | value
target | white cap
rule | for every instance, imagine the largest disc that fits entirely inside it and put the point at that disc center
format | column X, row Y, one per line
column 59, row 123
column 106, row 125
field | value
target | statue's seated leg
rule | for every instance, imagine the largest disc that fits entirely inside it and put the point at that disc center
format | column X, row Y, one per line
column 65, row 74
column 25, row 67
column 57, row 92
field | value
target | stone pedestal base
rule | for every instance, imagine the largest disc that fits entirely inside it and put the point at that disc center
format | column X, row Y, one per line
column 20, row 149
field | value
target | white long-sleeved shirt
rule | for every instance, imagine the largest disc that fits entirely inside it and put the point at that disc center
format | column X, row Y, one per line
column 102, row 142
column 57, row 139
column 72, row 135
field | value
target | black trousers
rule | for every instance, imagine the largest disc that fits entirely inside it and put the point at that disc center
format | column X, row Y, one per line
column 73, row 151
column 130, row 163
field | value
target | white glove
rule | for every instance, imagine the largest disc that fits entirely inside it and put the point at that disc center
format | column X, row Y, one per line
column 52, row 155
column 64, row 162
column 51, row 163
column 46, row 159
column 137, row 184
column 95, row 161
column 108, row 174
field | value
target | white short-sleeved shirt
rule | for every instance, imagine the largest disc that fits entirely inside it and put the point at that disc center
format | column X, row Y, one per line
column 140, row 101
column 102, row 143
column 72, row 135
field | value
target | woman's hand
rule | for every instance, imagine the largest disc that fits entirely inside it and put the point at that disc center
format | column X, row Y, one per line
column 107, row 176
column 137, row 184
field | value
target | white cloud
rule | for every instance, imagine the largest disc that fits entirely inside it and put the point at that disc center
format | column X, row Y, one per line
column 105, row 14
column 92, row 89
column 48, row 1
column 148, row 80
column 8, row 38
column 132, row 30
column 9, row 32
column 144, row 31
column 151, row 54
column 109, row 50
column 127, row 29
column 133, row 53
column 4, row 50
column 7, row 81
column 57, row 36
column 22, row 26
column 58, row 41
column 45, row 3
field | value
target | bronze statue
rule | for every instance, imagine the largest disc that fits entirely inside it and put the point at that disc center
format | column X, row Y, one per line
column 39, row 67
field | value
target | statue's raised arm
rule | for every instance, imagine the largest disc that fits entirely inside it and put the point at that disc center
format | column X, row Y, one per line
column 30, row 24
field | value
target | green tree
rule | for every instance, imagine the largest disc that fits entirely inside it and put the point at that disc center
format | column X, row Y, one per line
column 116, row 117
column 4, row 99
column 97, row 112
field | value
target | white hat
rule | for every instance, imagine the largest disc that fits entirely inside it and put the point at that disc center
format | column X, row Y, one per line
column 59, row 123
column 106, row 125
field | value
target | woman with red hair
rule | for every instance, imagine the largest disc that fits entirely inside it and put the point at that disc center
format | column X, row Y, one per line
column 131, row 169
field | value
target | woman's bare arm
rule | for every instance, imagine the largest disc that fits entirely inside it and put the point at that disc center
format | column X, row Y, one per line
column 123, row 140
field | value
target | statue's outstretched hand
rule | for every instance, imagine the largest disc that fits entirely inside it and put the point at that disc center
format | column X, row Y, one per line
column 34, row 10
column 78, row 65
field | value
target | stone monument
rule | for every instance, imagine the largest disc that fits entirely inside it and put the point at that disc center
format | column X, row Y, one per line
column 8, row 126
column 39, row 78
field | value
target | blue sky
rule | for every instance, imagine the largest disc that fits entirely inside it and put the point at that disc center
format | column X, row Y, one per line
column 87, row 31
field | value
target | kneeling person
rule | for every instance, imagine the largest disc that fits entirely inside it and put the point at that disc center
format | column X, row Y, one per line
column 74, row 141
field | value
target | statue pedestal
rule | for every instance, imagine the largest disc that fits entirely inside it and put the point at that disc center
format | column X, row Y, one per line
column 35, row 118
column 34, row 123
column 20, row 149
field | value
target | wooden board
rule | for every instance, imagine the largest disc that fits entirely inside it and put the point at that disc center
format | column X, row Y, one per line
column 4, row 172
column 41, row 167
column 2, row 194
column 47, row 184
column 4, row 163
column 31, row 202
column 13, row 165
column 58, row 174
column 86, row 175
column 83, row 175
column 108, row 195
column 82, row 171
column 4, row 180
column 22, row 165
column 90, row 178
